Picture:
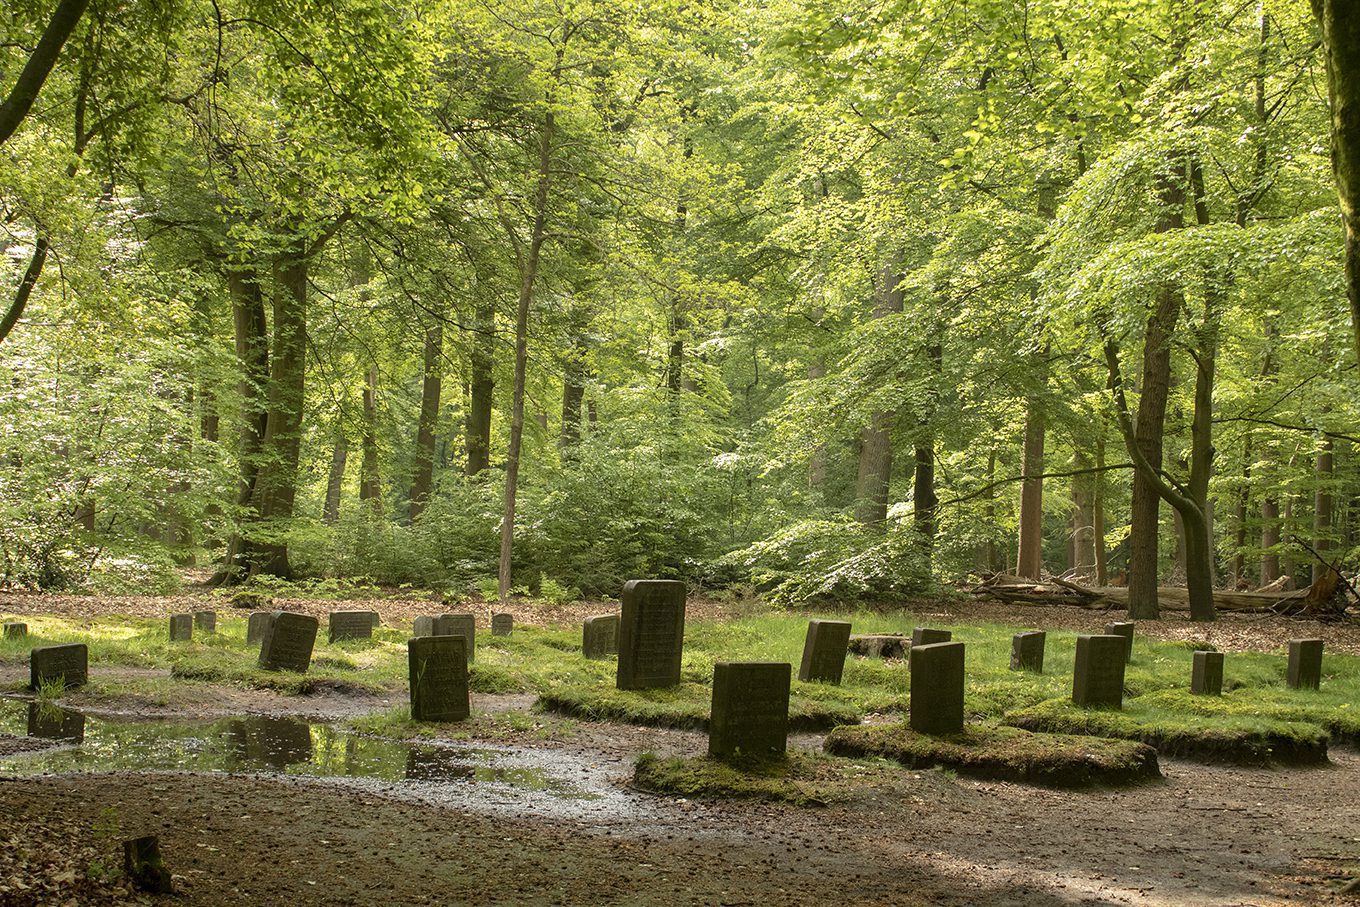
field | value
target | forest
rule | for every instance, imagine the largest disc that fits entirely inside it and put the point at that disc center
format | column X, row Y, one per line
column 804, row 299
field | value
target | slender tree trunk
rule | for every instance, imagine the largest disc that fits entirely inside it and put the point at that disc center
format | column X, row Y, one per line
column 923, row 483
column 1322, row 507
column 573, row 381
column 1240, row 510
column 481, row 395
column 335, row 479
column 39, row 65
column 1098, row 513
column 874, row 473
column 370, row 482
column 1083, row 506
column 422, row 482
column 1030, row 555
column 1270, row 541
column 985, row 557
column 25, row 289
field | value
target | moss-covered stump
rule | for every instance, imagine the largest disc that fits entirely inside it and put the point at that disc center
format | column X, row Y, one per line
column 1004, row 754
column 800, row 779
column 1240, row 739
column 685, row 707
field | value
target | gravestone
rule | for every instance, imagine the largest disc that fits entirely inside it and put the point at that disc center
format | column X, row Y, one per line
column 824, row 651
column 70, row 662
column 1206, row 677
column 1305, row 664
column 600, row 636
column 937, row 688
column 926, row 636
column 16, row 630
column 181, row 627
column 1098, row 676
column 438, row 678
column 288, row 642
column 502, row 624
column 1124, row 629
column 651, row 634
column 256, row 626
column 349, row 625
column 205, row 621
column 424, row 626
column 750, row 710
column 464, row 625
column 1027, row 651
column 52, row 722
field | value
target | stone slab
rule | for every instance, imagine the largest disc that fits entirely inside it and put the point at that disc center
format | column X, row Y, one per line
column 181, row 627
column 1098, row 675
column 1305, row 664
column 205, row 621
column 70, row 661
column 342, row 625
column 750, row 709
column 1206, row 675
column 1125, row 629
column 937, row 688
column 257, row 625
column 651, row 634
column 927, row 636
column 502, row 624
column 462, row 624
column 1027, row 651
column 824, row 651
column 438, row 674
column 288, row 642
column 600, row 636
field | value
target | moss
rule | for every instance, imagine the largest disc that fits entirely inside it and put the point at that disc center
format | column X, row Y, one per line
column 800, row 779
column 685, row 707
column 1004, row 753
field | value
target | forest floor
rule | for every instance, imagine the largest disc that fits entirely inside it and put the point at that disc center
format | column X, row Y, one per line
column 1206, row 834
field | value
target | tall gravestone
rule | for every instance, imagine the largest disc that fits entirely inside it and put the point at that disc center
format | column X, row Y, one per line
column 1206, row 674
column 750, row 710
column 1305, row 664
column 651, row 633
column 70, row 663
column 824, row 651
column 288, row 642
column 1123, row 628
column 937, row 688
column 438, row 678
column 256, row 626
column 181, row 627
column 15, row 630
column 1098, row 675
column 343, row 625
column 205, row 621
column 1027, row 651
column 502, row 624
column 600, row 636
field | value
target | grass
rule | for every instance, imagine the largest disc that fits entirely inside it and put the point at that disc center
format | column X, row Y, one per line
column 801, row 779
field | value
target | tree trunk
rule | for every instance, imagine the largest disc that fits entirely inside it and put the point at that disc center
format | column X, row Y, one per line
column 39, row 65
column 1083, row 506
column 923, row 483
column 1240, row 510
column 1098, row 514
column 25, row 289
column 483, row 386
column 1322, row 508
column 573, row 381
column 1270, row 541
column 984, row 559
column 335, row 479
column 874, row 473
column 422, row 482
column 370, row 482
column 1029, row 558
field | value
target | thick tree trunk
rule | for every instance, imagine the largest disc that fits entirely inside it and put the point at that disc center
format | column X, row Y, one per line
column 370, row 482
column 1270, row 541
column 335, row 479
column 874, row 473
column 1322, row 508
column 422, row 482
column 483, row 385
column 39, row 65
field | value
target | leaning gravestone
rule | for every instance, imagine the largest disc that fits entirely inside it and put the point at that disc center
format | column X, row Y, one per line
column 288, row 642
column 750, row 711
column 824, row 651
column 438, row 677
column 600, row 636
column 1098, row 675
column 651, row 634
column 16, row 631
column 256, row 626
column 502, row 624
column 1027, row 651
column 181, row 627
column 205, row 621
column 349, row 625
column 1125, row 629
column 1305, row 664
column 937, row 688
column 70, row 663
column 1206, row 676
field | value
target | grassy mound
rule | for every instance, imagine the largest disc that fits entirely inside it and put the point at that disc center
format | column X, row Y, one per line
column 1004, row 754
column 685, row 707
column 801, row 779
column 1243, row 739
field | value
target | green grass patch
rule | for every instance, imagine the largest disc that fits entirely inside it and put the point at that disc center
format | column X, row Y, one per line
column 801, row 779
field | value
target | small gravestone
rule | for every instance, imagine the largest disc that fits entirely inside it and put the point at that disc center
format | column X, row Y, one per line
column 181, row 627
column 502, row 624
column 52, row 722
column 1206, row 676
column 1305, row 664
column 937, row 688
column 824, row 651
column 1125, row 629
column 424, row 626
column 349, row 625
column 750, row 711
column 288, row 642
column 70, row 662
column 927, row 636
column 880, row 645
column 651, row 634
column 1098, row 675
column 464, row 625
column 256, row 626
column 600, row 636
column 16, row 631
column 143, row 866
column 205, row 621
column 438, row 678
column 1027, row 651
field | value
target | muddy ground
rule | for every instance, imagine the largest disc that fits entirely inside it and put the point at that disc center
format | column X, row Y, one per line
column 1204, row 835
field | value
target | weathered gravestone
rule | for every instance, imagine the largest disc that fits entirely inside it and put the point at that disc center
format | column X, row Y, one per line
column 438, row 678
column 424, row 626
column 1123, row 628
column 16, row 630
column 502, row 624
column 1098, row 675
column 52, row 722
column 256, row 626
column 600, row 636
column 750, row 710
column 1027, row 651
column 927, row 636
column 464, row 625
column 651, row 633
column 349, row 625
column 824, row 651
column 1206, row 676
column 937, row 688
column 205, row 621
column 181, row 627
column 70, row 663
column 288, row 642
column 1305, row 664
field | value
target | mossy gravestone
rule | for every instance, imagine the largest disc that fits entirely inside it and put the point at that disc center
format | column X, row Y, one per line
column 750, row 710
column 1027, row 651
column 288, row 642
column 206, row 621
column 438, row 678
column 1206, row 675
column 69, row 663
column 926, row 636
column 937, row 688
column 16, row 631
column 651, row 634
column 349, row 625
column 1124, row 629
column 502, row 624
column 181, row 627
column 1305, row 664
column 464, row 625
column 600, row 636
column 1098, row 675
column 824, row 651
column 256, row 626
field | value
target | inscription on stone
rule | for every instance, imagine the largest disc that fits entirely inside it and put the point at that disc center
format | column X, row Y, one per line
column 937, row 688
column 181, row 627
column 205, row 621
column 1027, row 651
column 1098, row 675
column 651, row 634
column 824, row 651
column 350, row 625
column 16, row 630
column 502, row 624
column 1305, row 664
column 600, row 636
column 750, row 711
column 256, row 626
column 1125, row 629
column 438, row 678
column 70, row 662
column 288, row 642
column 1206, row 676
